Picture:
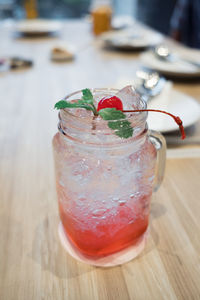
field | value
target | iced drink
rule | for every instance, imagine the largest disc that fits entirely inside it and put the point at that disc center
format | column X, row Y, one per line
column 104, row 183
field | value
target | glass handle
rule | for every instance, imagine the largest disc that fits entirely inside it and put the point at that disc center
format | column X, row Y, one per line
column 158, row 140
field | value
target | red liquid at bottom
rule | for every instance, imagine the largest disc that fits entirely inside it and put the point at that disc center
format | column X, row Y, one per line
column 110, row 240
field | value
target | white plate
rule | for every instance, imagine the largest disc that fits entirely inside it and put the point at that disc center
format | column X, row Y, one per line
column 134, row 38
column 178, row 69
column 37, row 27
column 179, row 104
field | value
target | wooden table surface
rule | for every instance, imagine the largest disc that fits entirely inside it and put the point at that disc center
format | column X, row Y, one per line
column 33, row 264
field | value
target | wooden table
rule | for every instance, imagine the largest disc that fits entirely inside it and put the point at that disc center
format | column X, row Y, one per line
column 33, row 264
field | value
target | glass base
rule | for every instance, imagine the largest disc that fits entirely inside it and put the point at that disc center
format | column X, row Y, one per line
column 114, row 259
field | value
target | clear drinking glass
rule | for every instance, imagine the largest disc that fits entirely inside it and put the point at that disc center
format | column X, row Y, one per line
column 105, row 183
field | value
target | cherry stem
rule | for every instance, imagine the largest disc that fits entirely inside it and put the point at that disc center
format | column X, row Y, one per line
column 176, row 119
column 93, row 123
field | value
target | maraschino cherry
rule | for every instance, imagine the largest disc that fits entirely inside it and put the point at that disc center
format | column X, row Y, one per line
column 111, row 102
column 115, row 102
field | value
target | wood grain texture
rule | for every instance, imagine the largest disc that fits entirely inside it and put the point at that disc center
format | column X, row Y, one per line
column 33, row 264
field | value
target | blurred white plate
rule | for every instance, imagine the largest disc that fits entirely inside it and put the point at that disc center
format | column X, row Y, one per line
column 134, row 38
column 178, row 69
column 37, row 27
column 179, row 104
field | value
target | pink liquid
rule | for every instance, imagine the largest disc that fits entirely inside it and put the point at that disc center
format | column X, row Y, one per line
column 104, row 210
column 111, row 235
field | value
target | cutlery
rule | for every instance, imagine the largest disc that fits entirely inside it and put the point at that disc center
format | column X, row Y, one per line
column 14, row 63
column 162, row 52
column 151, row 84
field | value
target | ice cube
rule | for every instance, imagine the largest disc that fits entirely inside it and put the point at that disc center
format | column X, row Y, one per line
column 81, row 112
column 129, row 97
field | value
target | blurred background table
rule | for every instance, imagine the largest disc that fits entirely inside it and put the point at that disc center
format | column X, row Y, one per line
column 33, row 264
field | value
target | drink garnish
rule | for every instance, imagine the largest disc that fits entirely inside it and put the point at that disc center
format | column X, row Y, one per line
column 111, row 102
column 176, row 118
column 117, row 121
column 111, row 110
column 87, row 102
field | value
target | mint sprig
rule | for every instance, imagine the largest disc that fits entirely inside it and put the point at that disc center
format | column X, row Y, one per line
column 87, row 96
column 64, row 104
column 116, row 118
column 111, row 114
column 122, row 127
column 86, row 102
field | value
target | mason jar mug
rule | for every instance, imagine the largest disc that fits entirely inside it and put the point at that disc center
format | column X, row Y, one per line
column 104, row 184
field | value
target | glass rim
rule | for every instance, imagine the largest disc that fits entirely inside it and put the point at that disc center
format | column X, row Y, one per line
column 140, row 115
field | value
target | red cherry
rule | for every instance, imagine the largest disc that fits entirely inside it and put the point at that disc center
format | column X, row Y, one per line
column 112, row 102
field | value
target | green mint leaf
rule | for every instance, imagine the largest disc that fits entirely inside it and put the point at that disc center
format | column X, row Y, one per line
column 122, row 128
column 89, row 99
column 83, row 102
column 64, row 104
column 60, row 104
column 111, row 114
column 86, row 102
column 87, row 96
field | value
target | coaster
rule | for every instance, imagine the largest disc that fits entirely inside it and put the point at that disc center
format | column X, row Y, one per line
column 115, row 259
